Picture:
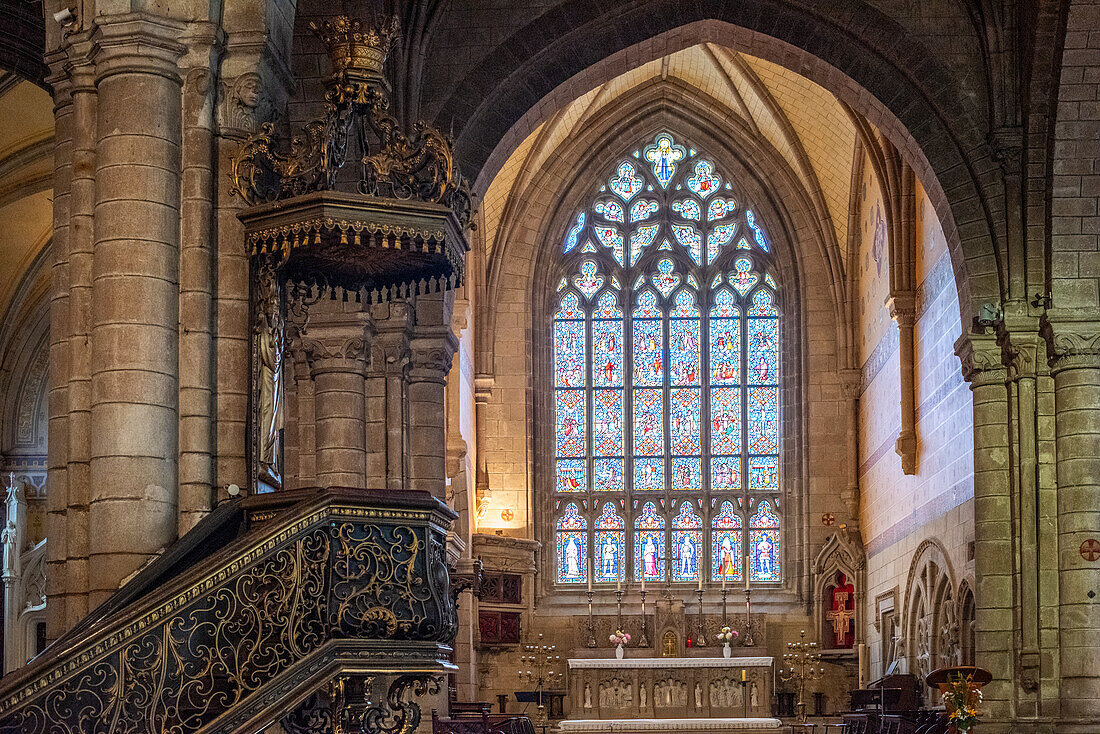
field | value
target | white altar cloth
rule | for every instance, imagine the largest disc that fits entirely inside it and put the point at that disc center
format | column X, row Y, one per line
column 641, row 663
column 577, row 726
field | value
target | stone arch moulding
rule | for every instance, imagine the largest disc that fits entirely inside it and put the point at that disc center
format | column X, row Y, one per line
column 839, row 555
column 929, row 588
column 509, row 93
column 771, row 191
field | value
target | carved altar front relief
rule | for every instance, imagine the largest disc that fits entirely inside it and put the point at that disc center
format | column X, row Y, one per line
column 670, row 688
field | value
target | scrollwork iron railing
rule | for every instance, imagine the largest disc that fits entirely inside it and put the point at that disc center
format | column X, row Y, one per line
column 332, row 581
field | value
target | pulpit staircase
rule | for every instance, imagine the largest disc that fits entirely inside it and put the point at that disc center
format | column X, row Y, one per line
column 317, row 608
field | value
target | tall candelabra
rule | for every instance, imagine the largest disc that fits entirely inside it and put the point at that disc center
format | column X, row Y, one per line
column 643, row 639
column 801, row 663
column 543, row 673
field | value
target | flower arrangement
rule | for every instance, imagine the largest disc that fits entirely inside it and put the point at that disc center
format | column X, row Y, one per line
column 961, row 698
column 619, row 638
column 726, row 635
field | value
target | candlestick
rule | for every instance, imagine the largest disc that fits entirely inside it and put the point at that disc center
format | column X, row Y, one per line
column 701, row 639
column 746, row 580
column 590, row 574
column 700, row 582
column 591, row 641
column 618, row 584
column 744, row 674
column 643, row 639
column 862, row 662
column 619, row 604
column 724, row 593
column 643, row 580
column 723, row 582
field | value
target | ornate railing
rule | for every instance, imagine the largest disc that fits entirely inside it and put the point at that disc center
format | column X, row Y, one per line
column 317, row 583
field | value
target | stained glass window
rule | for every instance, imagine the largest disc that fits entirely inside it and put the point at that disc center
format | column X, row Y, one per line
column 764, row 544
column 687, row 544
column 726, row 544
column 572, row 546
column 610, row 546
column 649, row 544
column 666, row 396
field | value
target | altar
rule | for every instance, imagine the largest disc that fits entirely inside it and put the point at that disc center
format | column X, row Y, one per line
column 670, row 688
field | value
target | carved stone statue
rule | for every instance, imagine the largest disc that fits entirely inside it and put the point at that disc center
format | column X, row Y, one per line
column 642, row 695
column 588, row 696
column 754, row 696
column 698, row 696
column 271, row 349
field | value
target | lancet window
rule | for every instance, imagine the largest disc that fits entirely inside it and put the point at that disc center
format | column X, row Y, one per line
column 666, row 364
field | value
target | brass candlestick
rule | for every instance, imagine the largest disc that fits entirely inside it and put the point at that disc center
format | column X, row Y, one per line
column 643, row 639
column 544, row 659
column 801, row 664
column 725, row 619
column 747, row 640
column 591, row 642
column 619, row 604
column 700, row 639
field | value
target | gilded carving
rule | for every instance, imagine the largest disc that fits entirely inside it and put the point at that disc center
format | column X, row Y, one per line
column 258, row 617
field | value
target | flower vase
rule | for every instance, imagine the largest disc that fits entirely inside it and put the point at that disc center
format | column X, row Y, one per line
column 619, row 651
column 726, row 652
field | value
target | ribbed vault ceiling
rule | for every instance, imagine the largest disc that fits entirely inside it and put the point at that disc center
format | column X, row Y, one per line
column 801, row 120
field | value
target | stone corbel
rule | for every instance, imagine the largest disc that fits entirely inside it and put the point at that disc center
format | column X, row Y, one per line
column 903, row 309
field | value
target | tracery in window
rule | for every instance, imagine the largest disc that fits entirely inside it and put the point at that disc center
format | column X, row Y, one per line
column 666, row 393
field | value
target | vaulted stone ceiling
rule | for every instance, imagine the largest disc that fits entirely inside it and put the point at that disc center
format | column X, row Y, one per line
column 803, row 121
column 26, row 170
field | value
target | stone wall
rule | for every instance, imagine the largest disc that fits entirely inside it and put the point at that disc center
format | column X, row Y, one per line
column 899, row 512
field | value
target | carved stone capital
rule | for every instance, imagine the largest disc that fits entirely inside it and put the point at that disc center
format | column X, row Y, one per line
column 335, row 354
column 432, row 356
column 980, row 356
column 1072, row 345
column 903, row 308
column 1021, row 346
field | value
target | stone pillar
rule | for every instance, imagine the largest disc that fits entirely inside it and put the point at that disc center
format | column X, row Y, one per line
column 135, row 299
column 386, row 434
column 335, row 347
column 81, row 255
column 57, row 483
column 1074, row 351
column 903, row 309
column 198, row 246
column 994, row 536
column 433, row 347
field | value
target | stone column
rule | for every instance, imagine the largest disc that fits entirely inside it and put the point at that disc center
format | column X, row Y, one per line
column 198, row 246
column 1074, row 351
column 386, row 400
column 433, row 347
column 335, row 347
column 81, row 255
column 135, row 299
column 903, row 309
column 994, row 536
column 57, row 469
